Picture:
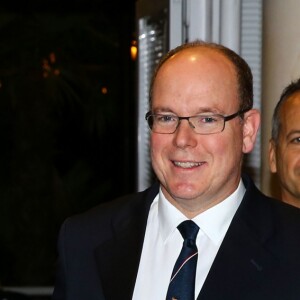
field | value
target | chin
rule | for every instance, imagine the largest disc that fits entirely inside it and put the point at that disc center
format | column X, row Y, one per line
column 184, row 193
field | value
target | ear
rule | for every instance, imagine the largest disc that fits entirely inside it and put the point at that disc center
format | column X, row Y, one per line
column 272, row 156
column 250, row 129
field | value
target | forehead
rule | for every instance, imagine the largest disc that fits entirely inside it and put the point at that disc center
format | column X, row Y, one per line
column 198, row 72
column 200, row 56
column 291, row 107
column 290, row 114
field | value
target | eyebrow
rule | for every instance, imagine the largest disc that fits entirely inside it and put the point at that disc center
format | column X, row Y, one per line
column 162, row 110
column 200, row 110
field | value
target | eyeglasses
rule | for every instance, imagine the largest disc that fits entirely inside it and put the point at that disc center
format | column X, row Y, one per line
column 205, row 123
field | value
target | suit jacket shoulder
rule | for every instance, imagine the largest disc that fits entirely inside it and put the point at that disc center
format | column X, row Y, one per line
column 101, row 248
column 259, row 256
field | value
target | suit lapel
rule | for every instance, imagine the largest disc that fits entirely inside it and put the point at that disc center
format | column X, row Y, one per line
column 118, row 258
column 244, row 267
column 240, row 267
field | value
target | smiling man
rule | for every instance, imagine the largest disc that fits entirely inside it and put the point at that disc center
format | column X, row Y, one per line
column 203, row 230
column 199, row 164
column 284, row 146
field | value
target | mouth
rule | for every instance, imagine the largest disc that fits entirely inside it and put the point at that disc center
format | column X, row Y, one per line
column 187, row 164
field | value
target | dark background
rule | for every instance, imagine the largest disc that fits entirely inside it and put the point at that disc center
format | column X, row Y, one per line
column 67, row 123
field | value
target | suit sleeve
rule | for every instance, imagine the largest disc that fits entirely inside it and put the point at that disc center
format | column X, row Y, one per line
column 59, row 292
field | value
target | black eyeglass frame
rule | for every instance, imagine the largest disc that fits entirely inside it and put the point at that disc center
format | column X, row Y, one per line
column 225, row 118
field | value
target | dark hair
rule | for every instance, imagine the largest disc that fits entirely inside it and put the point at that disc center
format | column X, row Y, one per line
column 288, row 91
column 243, row 71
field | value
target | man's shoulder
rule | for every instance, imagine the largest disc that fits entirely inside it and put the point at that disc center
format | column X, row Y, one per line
column 102, row 214
column 266, row 206
column 286, row 215
column 272, row 221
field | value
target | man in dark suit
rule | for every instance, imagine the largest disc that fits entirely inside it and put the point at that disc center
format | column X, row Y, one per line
column 246, row 245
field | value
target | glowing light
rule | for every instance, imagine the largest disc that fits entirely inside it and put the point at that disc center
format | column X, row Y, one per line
column 104, row 90
column 48, row 65
column 52, row 57
column 133, row 50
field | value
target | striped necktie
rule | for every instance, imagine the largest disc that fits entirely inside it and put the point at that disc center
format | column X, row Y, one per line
column 182, row 283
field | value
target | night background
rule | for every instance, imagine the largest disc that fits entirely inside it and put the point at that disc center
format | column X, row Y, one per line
column 67, row 123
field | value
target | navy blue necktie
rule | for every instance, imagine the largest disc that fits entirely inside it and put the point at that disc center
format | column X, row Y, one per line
column 182, row 283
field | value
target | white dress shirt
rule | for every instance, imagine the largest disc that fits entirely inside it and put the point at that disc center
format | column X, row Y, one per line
column 163, row 242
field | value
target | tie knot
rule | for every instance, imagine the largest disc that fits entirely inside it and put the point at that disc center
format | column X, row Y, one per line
column 188, row 230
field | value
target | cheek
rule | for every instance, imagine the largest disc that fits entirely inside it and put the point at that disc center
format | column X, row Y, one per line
column 293, row 160
column 157, row 145
column 230, row 151
column 230, row 145
column 159, row 156
column 297, row 159
column 238, row 140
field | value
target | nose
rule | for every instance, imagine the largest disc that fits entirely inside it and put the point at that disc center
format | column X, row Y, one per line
column 184, row 136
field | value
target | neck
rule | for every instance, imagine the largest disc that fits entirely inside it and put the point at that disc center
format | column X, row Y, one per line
column 290, row 199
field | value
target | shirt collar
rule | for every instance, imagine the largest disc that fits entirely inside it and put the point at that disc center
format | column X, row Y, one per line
column 213, row 222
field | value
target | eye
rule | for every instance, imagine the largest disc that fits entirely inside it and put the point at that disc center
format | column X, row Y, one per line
column 296, row 140
column 207, row 119
column 166, row 118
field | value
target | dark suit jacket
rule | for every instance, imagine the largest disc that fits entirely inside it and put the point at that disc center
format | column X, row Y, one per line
column 259, row 258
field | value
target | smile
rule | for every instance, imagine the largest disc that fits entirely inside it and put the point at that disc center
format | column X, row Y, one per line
column 187, row 164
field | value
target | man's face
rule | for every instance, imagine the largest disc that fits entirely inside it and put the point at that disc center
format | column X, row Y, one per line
column 197, row 171
column 285, row 156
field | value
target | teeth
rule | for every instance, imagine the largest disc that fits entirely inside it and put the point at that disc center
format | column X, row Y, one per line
column 186, row 164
